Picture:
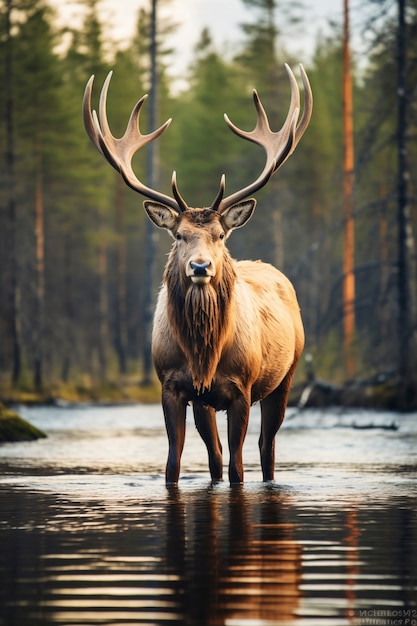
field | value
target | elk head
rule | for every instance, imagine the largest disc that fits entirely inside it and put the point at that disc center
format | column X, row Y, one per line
column 195, row 245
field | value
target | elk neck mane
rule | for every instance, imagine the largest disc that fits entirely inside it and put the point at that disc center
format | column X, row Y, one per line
column 200, row 317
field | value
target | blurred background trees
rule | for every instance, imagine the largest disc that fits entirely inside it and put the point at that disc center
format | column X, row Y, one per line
column 72, row 235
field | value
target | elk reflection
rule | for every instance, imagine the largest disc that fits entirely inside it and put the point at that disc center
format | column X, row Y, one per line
column 235, row 553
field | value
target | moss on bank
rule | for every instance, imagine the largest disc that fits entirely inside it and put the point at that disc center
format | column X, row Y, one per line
column 15, row 428
column 109, row 392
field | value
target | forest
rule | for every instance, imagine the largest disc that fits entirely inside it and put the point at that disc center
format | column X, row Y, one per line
column 78, row 255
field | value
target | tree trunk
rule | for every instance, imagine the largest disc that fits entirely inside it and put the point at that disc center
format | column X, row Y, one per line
column 383, row 313
column 69, row 343
column 103, row 306
column 150, row 234
column 15, row 296
column 121, row 330
column 277, row 227
column 348, row 176
column 38, row 331
column 407, row 330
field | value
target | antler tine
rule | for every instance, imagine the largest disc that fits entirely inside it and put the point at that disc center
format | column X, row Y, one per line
column 308, row 105
column 220, row 194
column 89, row 123
column 261, row 130
column 277, row 145
column 182, row 205
column 119, row 151
column 295, row 103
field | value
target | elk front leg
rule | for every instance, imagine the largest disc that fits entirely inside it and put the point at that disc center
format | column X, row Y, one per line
column 205, row 421
column 174, row 408
column 237, row 426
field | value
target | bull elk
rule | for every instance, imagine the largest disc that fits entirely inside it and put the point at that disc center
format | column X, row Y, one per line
column 226, row 333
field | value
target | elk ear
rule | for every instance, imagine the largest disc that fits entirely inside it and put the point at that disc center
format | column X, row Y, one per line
column 161, row 215
column 238, row 214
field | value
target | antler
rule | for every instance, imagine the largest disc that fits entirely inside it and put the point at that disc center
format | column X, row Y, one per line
column 119, row 152
column 278, row 146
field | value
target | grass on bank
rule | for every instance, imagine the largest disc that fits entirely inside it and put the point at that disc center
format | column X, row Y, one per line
column 76, row 392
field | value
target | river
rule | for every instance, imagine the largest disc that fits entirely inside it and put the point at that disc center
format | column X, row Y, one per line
column 89, row 534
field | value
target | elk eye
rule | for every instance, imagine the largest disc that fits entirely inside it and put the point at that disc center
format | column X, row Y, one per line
column 221, row 236
column 178, row 237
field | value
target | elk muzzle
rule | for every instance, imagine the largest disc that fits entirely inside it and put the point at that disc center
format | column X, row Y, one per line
column 200, row 272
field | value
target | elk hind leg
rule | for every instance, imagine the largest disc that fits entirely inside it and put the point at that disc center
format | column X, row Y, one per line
column 205, row 421
column 272, row 415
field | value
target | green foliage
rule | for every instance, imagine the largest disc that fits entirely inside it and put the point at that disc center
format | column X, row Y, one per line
column 205, row 146
column 95, row 225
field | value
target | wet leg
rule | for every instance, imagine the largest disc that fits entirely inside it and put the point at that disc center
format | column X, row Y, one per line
column 205, row 421
column 174, row 408
column 272, row 414
column 237, row 426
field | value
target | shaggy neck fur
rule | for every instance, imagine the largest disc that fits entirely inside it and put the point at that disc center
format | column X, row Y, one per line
column 200, row 317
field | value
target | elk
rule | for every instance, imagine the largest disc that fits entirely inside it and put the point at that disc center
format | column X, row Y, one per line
column 226, row 333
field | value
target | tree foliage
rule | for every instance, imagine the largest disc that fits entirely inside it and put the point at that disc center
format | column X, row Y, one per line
column 94, row 225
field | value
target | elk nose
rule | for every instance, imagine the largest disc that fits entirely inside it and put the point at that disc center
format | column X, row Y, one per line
column 199, row 269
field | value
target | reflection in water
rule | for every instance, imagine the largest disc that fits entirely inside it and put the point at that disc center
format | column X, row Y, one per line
column 352, row 557
column 200, row 557
column 90, row 535
column 237, row 554
column 203, row 556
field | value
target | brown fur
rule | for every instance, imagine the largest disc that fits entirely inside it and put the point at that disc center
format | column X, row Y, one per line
column 223, row 345
column 200, row 318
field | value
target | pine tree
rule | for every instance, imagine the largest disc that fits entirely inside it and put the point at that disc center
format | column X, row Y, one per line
column 37, row 110
column 205, row 145
column 262, row 62
column 8, row 225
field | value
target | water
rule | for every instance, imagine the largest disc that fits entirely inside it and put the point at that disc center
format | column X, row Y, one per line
column 89, row 534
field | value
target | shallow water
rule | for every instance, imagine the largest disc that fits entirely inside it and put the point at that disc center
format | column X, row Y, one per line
column 89, row 534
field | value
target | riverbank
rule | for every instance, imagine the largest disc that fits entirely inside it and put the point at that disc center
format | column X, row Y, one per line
column 14, row 428
column 120, row 392
column 378, row 392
